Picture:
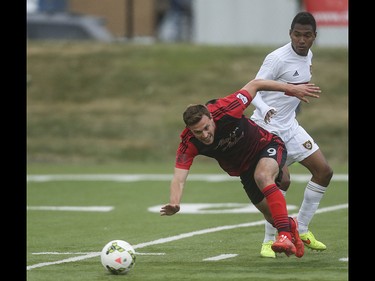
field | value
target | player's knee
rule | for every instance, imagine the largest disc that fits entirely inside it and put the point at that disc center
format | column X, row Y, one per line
column 323, row 176
column 326, row 174
column 329, row 173
column 262, row 178
column 284, row 184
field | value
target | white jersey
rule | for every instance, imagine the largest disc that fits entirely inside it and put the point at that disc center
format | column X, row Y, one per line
column 284, row 65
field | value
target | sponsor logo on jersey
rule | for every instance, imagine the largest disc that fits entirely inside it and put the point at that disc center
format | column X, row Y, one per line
column 234, row 137
column 242, row 98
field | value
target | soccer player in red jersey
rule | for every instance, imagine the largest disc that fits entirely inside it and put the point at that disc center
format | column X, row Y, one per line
column 243, row 149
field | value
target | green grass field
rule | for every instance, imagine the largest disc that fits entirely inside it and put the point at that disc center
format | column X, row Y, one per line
column 65, row 245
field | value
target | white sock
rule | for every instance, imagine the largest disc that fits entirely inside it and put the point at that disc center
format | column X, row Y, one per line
column 313, row 194
column 269, row 230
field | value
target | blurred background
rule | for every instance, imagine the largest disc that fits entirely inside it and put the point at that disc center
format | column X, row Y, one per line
column 229, row 22
column 107, row 81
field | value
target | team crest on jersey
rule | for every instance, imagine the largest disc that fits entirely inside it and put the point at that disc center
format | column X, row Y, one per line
column 307, row 145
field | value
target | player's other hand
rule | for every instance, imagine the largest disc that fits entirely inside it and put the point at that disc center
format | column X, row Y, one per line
column 302, row 91
column 269, row 115
column 169, row 209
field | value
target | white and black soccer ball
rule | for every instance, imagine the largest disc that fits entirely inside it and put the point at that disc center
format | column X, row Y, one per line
column 118, row 257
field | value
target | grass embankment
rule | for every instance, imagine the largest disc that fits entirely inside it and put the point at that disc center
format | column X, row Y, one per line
column 91, row 103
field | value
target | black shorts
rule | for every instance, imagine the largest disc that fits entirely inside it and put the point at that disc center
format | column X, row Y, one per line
column 275, row 149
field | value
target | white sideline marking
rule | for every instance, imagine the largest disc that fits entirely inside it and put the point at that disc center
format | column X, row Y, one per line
column 150, row 254
column 65, row 253
column 344, row 259
column 214, row 208
column 83, row 257
column 158, row 177
column 221, row 257
column 98, row 253
column 71, row 208
column 186, row 208
column 178, row 237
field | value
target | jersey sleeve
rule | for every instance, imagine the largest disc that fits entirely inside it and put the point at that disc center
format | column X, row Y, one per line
column 186, row 151
column 269, row 69
column 233, row 105
column 261, row 105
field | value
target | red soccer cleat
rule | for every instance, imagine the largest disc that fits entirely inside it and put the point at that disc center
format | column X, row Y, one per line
column 300, row 248
column 283, row 245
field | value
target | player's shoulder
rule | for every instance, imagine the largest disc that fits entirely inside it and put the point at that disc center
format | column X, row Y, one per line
column 279, row 54
column 186, row 135
column 285, row 49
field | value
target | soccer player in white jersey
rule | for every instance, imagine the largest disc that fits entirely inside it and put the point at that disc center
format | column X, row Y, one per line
column 276, row 113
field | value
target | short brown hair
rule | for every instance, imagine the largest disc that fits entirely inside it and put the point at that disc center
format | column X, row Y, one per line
column 194, row 113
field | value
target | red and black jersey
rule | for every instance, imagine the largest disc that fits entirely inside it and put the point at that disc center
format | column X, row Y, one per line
column 237, row 142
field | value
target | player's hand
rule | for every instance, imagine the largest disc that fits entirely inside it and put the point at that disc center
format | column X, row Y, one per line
column 269, row 115
column 302, row 91
column 169, row 209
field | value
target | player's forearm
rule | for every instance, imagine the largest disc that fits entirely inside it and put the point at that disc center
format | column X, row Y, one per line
column 261, row 105
column 256, row 85
column 176, row 190
column 300, row 91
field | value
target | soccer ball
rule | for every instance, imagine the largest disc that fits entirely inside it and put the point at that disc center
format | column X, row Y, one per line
column 118, row 257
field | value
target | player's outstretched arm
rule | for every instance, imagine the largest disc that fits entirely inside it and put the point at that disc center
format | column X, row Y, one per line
column 176, row 190
column 300, row 91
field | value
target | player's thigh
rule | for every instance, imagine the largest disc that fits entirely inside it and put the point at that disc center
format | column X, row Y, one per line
column 300, row 146
column 318, row 166
column 251, row 188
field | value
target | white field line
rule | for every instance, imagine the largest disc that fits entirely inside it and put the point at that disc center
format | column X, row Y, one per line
column 84, row 253
column 158, row 177
column 178, row 237
column 186, row 208
column 221, row 257
column 71, row 208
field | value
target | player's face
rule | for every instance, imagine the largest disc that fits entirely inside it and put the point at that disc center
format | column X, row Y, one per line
column 302, row 37
column 204, row 130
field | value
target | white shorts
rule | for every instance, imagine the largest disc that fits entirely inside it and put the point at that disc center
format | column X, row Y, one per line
column 300, row 146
